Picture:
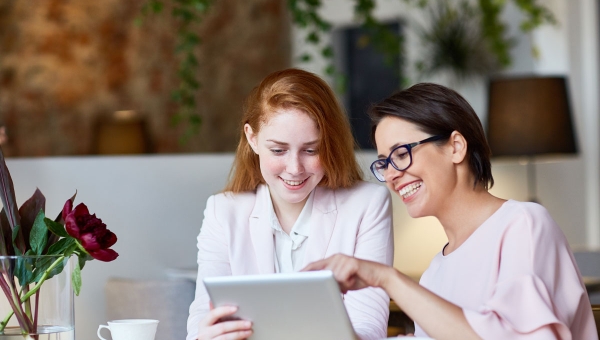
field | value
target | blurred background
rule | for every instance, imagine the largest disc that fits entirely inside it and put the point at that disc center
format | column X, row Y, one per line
column 67, row 66
column 136, row 104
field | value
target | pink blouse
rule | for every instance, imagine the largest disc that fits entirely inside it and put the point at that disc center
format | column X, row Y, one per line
column 515, row 278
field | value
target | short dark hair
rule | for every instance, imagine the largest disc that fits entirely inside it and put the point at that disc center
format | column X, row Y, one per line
column 438, row 110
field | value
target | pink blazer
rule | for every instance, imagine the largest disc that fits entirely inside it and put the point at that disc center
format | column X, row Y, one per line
column 236, row 239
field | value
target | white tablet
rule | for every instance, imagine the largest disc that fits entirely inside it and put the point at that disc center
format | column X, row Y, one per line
column 306, row 305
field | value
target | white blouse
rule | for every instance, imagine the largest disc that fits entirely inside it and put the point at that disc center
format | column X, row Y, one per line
column 289, row 253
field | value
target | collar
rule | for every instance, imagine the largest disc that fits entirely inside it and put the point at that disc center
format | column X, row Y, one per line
column 301, row 226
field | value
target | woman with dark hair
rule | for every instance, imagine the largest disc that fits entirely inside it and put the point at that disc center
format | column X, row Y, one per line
column 506, row 272
column 295, row 195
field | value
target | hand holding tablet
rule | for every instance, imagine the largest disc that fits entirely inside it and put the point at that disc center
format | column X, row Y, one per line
column 305, row 305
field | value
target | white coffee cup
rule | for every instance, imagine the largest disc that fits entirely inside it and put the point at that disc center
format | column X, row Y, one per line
column 129, row 329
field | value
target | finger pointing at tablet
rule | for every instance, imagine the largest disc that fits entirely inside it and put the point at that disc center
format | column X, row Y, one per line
column 351, row 273
column 212, row 328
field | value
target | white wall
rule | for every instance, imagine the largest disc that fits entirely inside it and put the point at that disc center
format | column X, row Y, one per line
column 568, row 187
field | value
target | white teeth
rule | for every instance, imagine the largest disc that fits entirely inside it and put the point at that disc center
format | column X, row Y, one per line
column 293, row 183
column 410, row 189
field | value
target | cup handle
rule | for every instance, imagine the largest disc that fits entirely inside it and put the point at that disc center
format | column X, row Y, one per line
column 100, row 328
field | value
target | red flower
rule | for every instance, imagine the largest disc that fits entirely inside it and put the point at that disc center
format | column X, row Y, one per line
column 89, row 231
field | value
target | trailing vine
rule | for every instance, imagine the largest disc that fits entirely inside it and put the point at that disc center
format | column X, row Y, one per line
column 449, row 31
column 188, row 13
column 305, row 16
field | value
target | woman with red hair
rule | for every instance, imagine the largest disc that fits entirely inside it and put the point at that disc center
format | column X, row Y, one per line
column 295, row 196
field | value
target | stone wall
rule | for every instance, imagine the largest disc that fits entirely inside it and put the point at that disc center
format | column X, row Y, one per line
column 65, row 65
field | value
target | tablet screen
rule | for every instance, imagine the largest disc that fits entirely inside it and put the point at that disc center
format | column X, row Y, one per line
column 305, row 305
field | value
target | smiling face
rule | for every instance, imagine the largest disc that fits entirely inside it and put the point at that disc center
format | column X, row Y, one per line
column 429, row 182
column 287, row 146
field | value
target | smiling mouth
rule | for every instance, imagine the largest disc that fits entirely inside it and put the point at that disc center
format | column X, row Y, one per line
column 293, row 183
column 410, row 189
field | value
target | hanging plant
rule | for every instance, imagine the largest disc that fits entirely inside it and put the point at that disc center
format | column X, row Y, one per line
column 453, row 42
column 466, row 38
column 305, row 15
column 188, row 13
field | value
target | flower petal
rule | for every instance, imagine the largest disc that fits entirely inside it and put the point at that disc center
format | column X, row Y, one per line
column 108, row 239
column 71, row 226
column 81, row 210
column 76, row 219
column 67, row 209
column 105, row 255
column 92, row 224
column 90, row 242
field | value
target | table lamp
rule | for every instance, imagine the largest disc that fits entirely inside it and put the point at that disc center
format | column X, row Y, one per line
column 528, row 117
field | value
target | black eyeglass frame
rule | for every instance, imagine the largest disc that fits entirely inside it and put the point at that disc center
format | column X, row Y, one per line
column 409, row 148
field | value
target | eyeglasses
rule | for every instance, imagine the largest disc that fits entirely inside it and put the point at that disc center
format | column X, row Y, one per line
column 400, row 158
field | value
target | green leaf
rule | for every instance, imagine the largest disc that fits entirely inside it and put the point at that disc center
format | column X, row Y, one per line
column 28, row 212
column 38, row 237
column 64, row 246
column 327, row 52
column 330, row 70
column 200, row 6
column 82, row 258
column 56, row 228
column 43, row 264
column 313, row 38
column 305, row 57
column 24, row 269
column 176, row 119
column 184, row 14
column 76, row 279
column 195, row 119
column 156, row 6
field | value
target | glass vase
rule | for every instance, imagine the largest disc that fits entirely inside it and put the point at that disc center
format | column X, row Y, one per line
column 48, row 314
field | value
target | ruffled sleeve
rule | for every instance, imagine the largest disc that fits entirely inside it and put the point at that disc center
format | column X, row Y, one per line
column 538, row 293
column 521, row 308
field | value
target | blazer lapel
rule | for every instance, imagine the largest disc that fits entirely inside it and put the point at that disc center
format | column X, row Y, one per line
column 322, row 224
column 261, row 233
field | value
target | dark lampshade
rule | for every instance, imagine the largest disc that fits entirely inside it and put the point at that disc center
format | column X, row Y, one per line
column 530, row 116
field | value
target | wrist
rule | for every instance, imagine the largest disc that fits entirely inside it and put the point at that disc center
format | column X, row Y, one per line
column 388, row 278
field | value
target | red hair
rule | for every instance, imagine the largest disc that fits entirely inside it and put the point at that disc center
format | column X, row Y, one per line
column 304, row 91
